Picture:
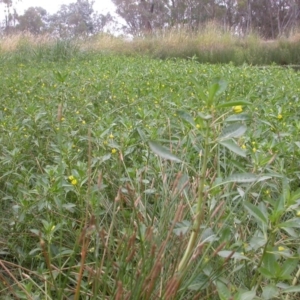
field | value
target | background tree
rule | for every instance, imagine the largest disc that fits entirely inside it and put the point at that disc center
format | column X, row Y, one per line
column 34, row 20
column 9, row 14
column 142, row 15
column 270, row 18
column 77, row 19
column 74, row 19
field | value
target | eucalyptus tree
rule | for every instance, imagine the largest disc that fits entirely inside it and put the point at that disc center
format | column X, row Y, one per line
column 144, row 16
column 34, row 20
column 9, row 14
column 270, row 18
column 77, row 19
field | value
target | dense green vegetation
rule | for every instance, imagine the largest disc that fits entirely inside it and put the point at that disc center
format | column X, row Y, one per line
column 109, row 165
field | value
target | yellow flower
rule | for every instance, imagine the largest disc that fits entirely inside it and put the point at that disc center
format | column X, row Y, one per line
column 244, row 146
column 111, row 136
column 254, row 149
column 113, row 151
column 74, row 182
column 298, row 213
column 198, row 126
column 71, row 178
column 279, row 117
column 83, row 122
column 280, row 248
column 237, row 109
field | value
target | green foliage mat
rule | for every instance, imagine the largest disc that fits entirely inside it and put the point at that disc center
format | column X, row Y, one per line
column 99, row 154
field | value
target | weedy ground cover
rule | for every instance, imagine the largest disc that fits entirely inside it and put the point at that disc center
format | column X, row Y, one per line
column 131, row 178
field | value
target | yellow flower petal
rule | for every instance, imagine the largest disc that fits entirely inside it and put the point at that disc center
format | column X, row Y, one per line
column 74, row 182
column 237, row 109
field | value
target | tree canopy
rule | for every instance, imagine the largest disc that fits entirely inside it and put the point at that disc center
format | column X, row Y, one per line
column 269, row 18
column 75, row 19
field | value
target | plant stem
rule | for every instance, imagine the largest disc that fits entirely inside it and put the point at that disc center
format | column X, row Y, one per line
column 199, row 211
column 257, row 273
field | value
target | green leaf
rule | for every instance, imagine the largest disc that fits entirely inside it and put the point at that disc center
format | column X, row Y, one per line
column 292, row 289
column 218, row 87
column 288, row 267
column 233, row 103
column 105, row 157
column 69, row 206
column 222, row 85
column 247, row 295
column 60, row 77
column 207, row 236
column 256, row 212
column 199, row 283
column 181, row 228
column 291, row 232
column 270, row 263
column 238, row 117
column 292, row 223
column 236, row 255
column 39, row 116
column 223, row 291
column 150, row 191
column 257, row 241
column 186, row 116
column 269, row 292
column 141, row 134
column 35, row 231
column 242, row 178
column 294, row 197
column 204, row 117
column 34, row 251
column 263, row 178
column 163, row 152
column 212, row 92
column 232, row 146
column 266, row 273
column 233, row 131
column 198, row 88
column 297, row 144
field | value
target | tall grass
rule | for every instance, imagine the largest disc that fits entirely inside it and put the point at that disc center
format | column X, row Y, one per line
column 209, row 45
